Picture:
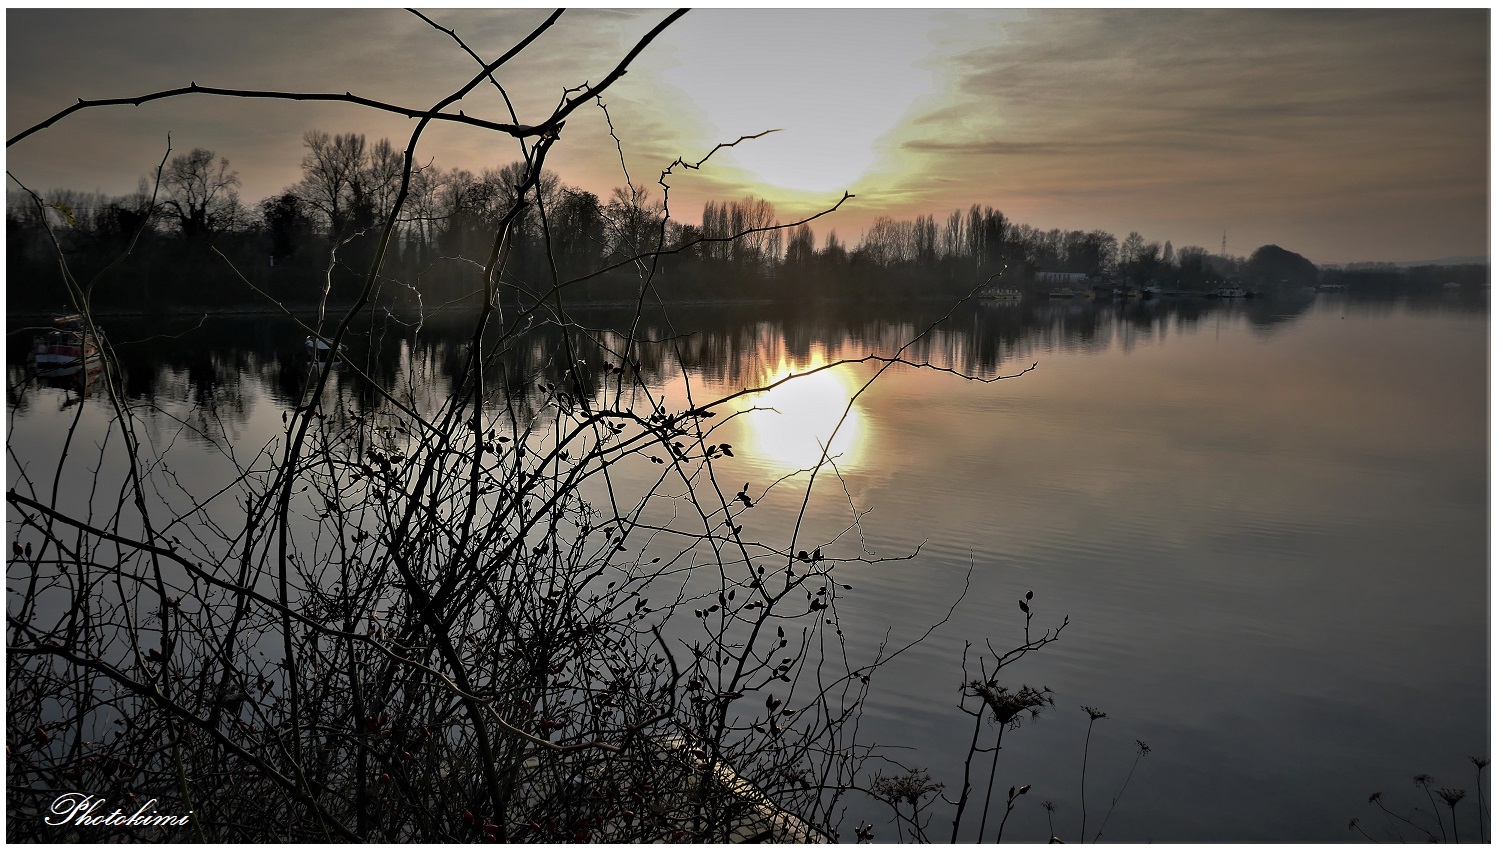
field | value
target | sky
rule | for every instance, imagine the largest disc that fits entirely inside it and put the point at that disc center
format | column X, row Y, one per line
column 1347, row 135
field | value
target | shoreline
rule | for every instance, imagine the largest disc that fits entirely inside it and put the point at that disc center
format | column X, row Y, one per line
column 247, row 311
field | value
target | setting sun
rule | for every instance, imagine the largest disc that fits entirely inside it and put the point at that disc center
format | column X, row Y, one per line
column 828, row 139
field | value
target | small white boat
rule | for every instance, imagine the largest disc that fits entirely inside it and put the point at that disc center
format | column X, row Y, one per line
column 66, row 349
column 317, row 348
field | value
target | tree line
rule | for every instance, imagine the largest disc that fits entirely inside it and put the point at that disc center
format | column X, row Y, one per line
column 188, row 225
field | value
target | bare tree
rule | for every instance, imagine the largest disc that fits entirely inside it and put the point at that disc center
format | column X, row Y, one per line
column 631, row 226
column 332, row 180
column 200, row 194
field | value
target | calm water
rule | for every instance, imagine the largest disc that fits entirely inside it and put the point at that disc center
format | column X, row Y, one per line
column 1267, row 523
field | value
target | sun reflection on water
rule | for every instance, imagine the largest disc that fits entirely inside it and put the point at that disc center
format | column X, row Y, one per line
column 795, row 424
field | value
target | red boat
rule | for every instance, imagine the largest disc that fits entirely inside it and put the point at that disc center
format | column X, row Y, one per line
column 66, row 349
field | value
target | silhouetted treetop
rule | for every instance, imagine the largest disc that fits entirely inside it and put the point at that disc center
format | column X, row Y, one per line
column 1271, row 266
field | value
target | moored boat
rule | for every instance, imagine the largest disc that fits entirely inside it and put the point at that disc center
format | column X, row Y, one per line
column 67, row 348
column 320, row 354
column 317, row 348
column 1072, row 294
column 1006, row 294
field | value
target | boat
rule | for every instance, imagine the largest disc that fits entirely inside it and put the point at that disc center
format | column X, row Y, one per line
column 317, row 348
column 1151, row 291
column 67, row 349
column 1005, row 294
column 1231, row 292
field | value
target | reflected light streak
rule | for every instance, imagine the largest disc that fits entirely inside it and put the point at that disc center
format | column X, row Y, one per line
column 796, row 423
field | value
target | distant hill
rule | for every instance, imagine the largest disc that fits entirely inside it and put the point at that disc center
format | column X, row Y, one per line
column 1449, row 261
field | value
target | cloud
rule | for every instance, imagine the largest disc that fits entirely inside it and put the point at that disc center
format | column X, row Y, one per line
column 55, row 57
column 1236, row 114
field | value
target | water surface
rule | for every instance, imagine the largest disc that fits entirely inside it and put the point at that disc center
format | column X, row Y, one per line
column 1266, row 522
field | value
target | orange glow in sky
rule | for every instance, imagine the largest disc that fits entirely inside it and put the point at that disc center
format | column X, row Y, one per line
column 829, row 135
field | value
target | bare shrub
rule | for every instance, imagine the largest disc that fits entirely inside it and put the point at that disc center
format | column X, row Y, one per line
column 483, row 616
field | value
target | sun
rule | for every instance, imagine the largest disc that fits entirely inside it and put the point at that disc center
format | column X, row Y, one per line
column 746, row 71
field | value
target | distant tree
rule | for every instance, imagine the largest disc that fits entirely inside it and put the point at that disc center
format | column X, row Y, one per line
column 1194, row 266
column 577, row 227
column 882, row 244
column 1088, row 252
column 423, row 217
column 714, row 222
column 1191, row 254
column 460, row 208
column 800, row 253
column 379, row 177
column 1039, row 248
column 1271, row 266
column 1148, row 263
column 834, row 253
column 986, row 232
column 925, row 240
column 287, row 222
column 687, row 236
column 331, row 173
column 755, row 249
column 952, row 243
column 772, row 244
column 1129, row 255
column 199, row 194
column 630, row 225
column 1052, row 245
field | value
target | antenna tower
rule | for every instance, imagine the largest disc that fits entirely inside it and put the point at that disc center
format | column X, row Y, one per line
column 1223, row 243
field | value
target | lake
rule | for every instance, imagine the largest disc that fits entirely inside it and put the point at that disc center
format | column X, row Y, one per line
column 1267, row 522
